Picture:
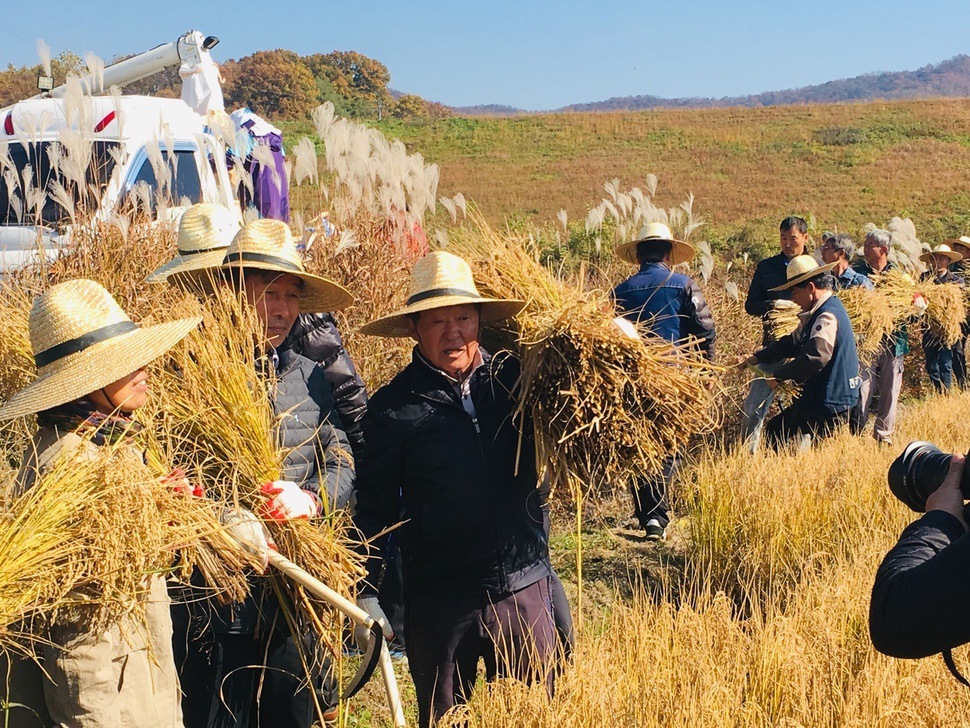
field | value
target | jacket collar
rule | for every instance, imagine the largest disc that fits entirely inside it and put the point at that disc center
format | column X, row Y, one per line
column 806, row 316
column 437, row 386
column 654, row 264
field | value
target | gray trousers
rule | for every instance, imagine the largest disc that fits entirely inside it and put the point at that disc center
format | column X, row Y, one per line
column 756, row 406
column 885, row 377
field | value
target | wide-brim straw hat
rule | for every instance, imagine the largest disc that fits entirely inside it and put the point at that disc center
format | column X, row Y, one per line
column 441, row 279
column 83, row 341
column 942, row 249
column 801, row 268
column 680, row 252
column 205, row 232
column 962, row 240
column 268, row 245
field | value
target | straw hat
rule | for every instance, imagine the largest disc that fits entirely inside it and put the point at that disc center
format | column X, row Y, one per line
column 205, row 231
column 268, row 245
column 962, row 240
column 942, row 249
column 681, row 252
column 441, row 279
column 83, row 341
column 801, row 268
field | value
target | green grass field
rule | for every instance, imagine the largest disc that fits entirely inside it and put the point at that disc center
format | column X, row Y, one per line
column 845, row 164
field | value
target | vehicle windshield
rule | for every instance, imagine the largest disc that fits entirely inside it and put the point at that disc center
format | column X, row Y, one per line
column 31, row 168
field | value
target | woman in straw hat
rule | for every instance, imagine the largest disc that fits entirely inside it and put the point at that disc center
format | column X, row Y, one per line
column 672, row 306
column 240, row 665
column 938, row 356
column 445, row 455
column 821, row 356
column 91, row 377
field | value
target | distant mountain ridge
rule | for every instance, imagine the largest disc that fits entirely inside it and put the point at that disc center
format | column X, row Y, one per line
column 950, row 78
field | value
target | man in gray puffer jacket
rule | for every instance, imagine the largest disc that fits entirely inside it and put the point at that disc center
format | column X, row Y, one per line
column 242, row 667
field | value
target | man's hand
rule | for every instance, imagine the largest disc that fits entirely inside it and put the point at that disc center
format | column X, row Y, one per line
column 745, row 360
column 373, row 609
column 288, row 502
column 948, row 496
column 247, row 531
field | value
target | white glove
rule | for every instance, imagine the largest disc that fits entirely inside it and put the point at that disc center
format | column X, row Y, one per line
column 362, row 635
column 288, row 502
column 920, row 303
column 249, row 532
column 626, row 328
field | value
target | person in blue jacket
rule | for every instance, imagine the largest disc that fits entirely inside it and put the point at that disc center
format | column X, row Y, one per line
column 672, row 306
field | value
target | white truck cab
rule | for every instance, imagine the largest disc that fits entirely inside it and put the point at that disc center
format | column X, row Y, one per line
column 70, row 152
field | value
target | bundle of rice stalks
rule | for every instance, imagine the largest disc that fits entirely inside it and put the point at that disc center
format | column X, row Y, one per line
column 605, row 407
column 946, row 311
column 219, row 424
column 781, row 320
column 80, row 544
column 877, row 314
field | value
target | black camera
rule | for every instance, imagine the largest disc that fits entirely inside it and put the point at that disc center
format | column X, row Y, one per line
column 919, row 471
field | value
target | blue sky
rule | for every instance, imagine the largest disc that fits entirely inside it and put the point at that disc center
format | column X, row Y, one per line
column 533, row 55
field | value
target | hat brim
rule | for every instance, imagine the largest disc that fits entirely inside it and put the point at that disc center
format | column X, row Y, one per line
column 804, row 277
column 320, row 295
column 397, row 325
column 953, row 255
column 182, row 264
column 964, row 241
column 680, row 251
column 96, row 367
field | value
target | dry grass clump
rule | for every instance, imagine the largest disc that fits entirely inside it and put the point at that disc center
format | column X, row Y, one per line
column 877, row 314
column 781, row 320
column 219, row 424
column 796, row 650
column 946, row 311
column 80, row 544
column 605, row 407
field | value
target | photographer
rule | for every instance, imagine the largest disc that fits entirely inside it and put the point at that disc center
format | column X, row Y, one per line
column 920, row 597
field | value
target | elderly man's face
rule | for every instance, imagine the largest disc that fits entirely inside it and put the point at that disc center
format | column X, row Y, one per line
column 793, row 242
column 830, row 254
column 448, row 337
column 277, row 301
column 942, row 262
column 874, row 253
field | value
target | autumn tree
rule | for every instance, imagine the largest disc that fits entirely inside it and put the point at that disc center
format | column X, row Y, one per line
column 276, row 84
column 359, row 80
column 410, row 106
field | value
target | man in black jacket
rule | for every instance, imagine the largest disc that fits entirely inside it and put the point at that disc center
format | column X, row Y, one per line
column 762, row 294
column 442, row 446
column 921, row 592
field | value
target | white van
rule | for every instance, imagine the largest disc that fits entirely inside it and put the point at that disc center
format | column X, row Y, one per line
column 70, row 154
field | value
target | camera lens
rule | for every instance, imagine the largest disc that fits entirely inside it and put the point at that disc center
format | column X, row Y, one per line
column 919, row 471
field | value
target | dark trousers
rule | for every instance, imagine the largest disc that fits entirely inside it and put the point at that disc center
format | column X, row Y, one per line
column 390, row 591
column 447, row 636
column 650, row 494
column 562, row 616
column 241, row 681
column 795, row 422
column 939, row 363
column 960, row 362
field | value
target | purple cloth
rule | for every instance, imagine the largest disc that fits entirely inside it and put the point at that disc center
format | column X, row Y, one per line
column 270, row 197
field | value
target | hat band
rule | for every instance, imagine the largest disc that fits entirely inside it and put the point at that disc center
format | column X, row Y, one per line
column 243, row 257
column 73, row 346
column 187, row 253
column 440, row 292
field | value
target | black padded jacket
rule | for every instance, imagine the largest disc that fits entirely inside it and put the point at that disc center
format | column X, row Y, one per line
column 465, row 487
column 315, row 336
